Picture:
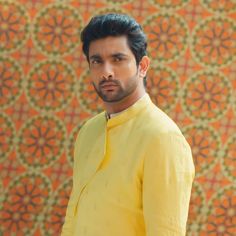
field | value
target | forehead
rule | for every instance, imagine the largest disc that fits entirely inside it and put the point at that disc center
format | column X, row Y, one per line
column 109, row 46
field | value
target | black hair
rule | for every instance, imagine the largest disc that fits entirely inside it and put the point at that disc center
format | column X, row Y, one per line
column 113, row 24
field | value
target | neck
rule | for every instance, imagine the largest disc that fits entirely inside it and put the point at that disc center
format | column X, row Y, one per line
column 115, row 107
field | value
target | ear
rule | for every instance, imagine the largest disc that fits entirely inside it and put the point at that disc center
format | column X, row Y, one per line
column 143, row 66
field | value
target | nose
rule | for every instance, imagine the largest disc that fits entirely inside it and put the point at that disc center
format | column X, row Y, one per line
column 107, row 72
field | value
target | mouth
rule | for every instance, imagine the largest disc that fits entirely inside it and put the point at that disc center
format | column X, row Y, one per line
column 108, row 86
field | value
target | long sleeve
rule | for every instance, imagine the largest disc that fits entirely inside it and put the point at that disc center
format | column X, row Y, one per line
column 67, row 229
column 167, row 182
column 69, row 224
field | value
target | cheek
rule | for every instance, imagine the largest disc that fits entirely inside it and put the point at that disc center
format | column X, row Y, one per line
column 126, row 70
column 132, row 67
column 93, row 76
column 96, row 73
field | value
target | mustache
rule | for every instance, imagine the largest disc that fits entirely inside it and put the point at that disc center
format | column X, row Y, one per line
column 104, row 81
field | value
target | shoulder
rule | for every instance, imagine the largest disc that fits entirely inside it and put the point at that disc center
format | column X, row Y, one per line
column 157, row 130
column 164, row 138
column 94, row 121
column 92, row 126
column 156, row 122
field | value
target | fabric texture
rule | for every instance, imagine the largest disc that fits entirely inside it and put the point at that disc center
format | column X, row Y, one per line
column 132, row 176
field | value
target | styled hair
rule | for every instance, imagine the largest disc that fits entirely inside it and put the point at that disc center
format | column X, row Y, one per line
column 113, row 24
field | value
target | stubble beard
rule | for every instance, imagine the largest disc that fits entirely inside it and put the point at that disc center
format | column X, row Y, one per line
column 120, row 92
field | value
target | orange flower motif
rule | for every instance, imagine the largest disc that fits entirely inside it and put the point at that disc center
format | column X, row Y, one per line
column 14, row 26
column 56, row 29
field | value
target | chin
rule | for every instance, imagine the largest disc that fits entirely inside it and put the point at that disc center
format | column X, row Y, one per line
column 111, row 99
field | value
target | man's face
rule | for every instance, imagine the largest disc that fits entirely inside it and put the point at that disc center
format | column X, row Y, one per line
column 113, row 69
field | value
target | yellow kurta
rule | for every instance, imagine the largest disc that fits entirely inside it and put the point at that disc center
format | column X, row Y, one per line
column 132, row 176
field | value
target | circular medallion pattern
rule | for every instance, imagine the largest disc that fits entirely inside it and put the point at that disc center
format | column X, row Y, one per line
column 57, row 29
column 167, row 36
column 163, row 87
column 118, row 1
column 10, row 81
column 7, row 135
column 221, row 6
column 214, row 42
column 169, row 4
column 205, row 144
column 41, row 141
column 55, row 214
column 206, row 96
column 14, row 26
column 50, row 85
column 113, row 9
column 87, row 96
column 46, row 82
column 23, row 203
column 229, row 158
column 196, row 208
column 221, row 219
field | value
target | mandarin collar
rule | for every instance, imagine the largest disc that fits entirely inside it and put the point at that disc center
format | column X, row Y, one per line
column 130, row 112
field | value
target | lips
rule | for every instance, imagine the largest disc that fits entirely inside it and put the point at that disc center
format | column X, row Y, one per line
column 108, row 85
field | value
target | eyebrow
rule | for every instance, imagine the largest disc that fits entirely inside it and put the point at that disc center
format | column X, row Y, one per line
column 96, row 56
column 118, row 54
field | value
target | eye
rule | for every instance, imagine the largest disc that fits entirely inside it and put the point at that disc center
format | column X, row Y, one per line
column 117, row 59
column 95, row 61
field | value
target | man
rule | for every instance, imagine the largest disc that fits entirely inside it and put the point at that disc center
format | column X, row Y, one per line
column 133, row 168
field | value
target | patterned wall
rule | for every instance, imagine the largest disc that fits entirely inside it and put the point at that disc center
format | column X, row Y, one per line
column 45, row 97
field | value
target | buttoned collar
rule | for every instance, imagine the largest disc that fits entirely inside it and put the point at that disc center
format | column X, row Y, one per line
column 130, row 112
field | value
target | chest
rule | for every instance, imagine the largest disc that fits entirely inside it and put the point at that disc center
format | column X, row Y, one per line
column 111, row 166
